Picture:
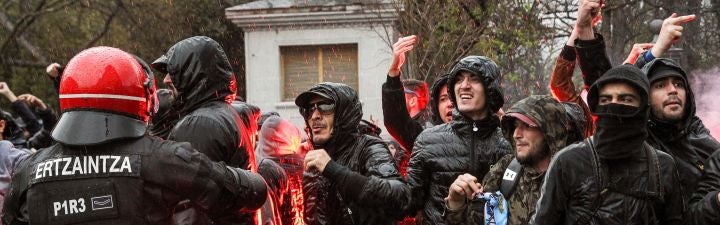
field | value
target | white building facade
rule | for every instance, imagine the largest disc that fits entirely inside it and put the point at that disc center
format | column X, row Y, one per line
column 292, row 44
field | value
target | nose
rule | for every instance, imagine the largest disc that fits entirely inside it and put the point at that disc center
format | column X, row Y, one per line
column 672, row 89
column 315, row 114
column 465, row 83
column 167, row 80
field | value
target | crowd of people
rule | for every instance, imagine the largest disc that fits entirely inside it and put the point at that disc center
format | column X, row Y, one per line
column 124, row 152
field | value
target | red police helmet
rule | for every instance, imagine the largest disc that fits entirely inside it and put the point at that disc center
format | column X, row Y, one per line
column 105, row 94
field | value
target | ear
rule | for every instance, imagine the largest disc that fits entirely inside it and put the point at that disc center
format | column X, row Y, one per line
column 413, row 101
column 2, row 125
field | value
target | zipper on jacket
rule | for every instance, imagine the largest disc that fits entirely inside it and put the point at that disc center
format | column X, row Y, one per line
column 475, row 129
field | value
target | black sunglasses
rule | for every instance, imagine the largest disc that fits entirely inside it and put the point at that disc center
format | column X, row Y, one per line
column 324, row 108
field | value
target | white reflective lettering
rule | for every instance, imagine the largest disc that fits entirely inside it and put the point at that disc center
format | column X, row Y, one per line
column 65, row 170
column 114, row 169
column 56, row 207
column 126, row 164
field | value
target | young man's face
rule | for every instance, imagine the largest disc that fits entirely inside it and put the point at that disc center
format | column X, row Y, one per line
column 668, row 98
column 530, row 146
column 445, row 106
column 470, row 95
column 321, row 121
column 619, row 93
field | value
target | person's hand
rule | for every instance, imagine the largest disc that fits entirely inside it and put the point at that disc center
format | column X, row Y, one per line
column 31, row 100
column 464, row 187
column 636, row 51
column 53, row 70
column 5, row 91
column 670, row 33
column 403, row 45
column 316, row 159
column 589, row 14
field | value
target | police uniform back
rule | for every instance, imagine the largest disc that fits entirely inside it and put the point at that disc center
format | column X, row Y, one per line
column 105, row 169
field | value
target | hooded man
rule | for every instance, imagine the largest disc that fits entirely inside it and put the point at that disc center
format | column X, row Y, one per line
column 470, row 143
column 538, row 127
column 199, row 73
column 613, row 177
column 349, row 178
column 675, row 129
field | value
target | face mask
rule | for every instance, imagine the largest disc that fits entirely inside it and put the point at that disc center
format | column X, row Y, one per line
column 621, row 131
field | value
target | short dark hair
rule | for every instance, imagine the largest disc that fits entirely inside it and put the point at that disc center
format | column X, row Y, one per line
column 420, row 88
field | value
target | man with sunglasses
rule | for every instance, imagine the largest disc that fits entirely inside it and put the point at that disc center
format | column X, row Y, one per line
column 349, row 178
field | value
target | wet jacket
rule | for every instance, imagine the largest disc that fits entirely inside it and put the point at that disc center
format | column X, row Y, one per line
column 704, row 207
column 204, row 81
column 396, row 117
column 205, row 84
column 462, row 146
column 130, row 181
column 279, row 142
column 551, row 117
column 361, row 184
column 691, row 145
column 610, row 179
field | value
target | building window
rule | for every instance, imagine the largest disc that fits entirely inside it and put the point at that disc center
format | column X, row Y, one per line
column 304, row 66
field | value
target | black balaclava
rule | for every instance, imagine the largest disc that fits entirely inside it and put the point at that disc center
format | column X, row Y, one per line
column 620, row 129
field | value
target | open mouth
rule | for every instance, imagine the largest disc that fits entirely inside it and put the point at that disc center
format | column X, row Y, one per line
column 465, row 96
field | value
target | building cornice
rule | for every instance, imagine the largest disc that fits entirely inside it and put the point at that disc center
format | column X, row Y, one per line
column 313, row 16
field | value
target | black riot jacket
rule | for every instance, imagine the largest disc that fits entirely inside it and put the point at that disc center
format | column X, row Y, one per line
column 461, row 146
column 361, row 184
column 131, row 181
column 205, row 84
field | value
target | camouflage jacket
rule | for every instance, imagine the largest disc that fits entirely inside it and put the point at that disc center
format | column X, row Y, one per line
column 522, row 201
column 555, row 124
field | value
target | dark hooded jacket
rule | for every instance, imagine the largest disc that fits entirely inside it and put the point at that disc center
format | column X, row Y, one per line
column 205, row 84
column 592, row 184
column 691, row 143
column 361, row 184
column 204, row 81
column 279, row 143
column 396, row 117
column 462, row 146
column 704, row 206
column 553, row 121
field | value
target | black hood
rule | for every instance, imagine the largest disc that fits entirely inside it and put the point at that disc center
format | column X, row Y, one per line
column 627, row 74
column 435, row 117
column 490, row 75
column 200, row 72
column 348, row 111
column 661, row 68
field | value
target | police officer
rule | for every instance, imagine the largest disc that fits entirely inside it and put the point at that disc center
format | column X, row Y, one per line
column 105, row 169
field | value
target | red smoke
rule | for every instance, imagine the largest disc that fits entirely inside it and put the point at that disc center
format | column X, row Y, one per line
column 706, row 87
